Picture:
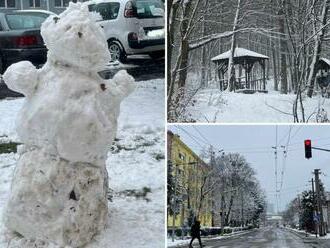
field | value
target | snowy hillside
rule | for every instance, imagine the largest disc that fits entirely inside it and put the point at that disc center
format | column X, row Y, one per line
column 212, row 105
column 136, row 172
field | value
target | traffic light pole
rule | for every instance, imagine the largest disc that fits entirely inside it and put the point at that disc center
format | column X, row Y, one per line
column 321, row 149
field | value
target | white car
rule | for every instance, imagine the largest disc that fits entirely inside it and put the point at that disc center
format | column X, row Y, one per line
column 132, row 26
column 46, row 12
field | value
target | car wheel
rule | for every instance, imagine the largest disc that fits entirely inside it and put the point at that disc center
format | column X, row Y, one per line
column 157, row 54
column 116, row 52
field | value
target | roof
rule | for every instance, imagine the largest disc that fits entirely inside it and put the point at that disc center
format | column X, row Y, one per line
column 240, row 52
column 327, row 61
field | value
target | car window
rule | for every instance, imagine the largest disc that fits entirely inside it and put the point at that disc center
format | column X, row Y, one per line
column 150, row 9
column 25, row 21
column 108, row 11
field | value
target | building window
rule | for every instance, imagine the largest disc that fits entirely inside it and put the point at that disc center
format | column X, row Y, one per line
column 181, row 156
column 7, row 4
column 63, row 3
column 35, row 3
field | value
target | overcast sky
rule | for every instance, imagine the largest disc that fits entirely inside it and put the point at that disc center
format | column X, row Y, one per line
column 255, row 142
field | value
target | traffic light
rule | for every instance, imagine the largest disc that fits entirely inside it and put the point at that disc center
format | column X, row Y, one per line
column 308, row 149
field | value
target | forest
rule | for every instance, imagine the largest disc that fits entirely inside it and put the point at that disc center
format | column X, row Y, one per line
column 273, row 54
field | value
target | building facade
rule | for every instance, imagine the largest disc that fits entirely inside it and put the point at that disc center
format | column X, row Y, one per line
column 187, row 173
column 56, row 6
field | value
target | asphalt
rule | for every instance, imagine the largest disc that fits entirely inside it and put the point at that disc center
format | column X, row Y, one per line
column 140, row 67
column 268, row 237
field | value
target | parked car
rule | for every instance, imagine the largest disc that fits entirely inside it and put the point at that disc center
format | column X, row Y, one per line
column 132, row 26
column 20, row 38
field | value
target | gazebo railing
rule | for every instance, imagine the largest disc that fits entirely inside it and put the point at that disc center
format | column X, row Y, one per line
column 255, row 84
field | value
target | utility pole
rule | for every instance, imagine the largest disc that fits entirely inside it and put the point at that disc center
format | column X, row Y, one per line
column 318, row 200
column 314, row 208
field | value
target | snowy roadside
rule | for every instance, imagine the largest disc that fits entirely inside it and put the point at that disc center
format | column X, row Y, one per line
column 303, row 233
column 178, row 243
column 136, row 171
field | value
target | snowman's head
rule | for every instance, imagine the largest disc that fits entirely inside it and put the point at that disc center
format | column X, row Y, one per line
column 74, row 38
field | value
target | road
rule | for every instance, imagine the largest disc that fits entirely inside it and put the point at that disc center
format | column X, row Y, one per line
column 140, row 67
column 268, row 237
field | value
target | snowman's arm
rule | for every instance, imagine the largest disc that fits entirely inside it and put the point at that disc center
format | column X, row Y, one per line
column 121, row 85
column 22, row 77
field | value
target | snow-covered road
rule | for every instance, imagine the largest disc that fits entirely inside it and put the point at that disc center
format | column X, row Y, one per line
column 136, row 169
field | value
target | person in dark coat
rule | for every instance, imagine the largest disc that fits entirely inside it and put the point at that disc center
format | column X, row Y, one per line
column 196, row 233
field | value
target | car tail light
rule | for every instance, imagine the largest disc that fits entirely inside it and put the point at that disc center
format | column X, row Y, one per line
column 130, row 11
column 133, row 36
column 24, row 41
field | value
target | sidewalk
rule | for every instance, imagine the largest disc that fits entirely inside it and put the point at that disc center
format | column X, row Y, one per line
column 186, row 241
column 321, row 242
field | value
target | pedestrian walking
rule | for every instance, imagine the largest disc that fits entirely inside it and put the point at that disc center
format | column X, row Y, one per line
column 195, row 233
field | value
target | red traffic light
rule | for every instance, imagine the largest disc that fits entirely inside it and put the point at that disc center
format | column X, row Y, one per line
column 308, row 149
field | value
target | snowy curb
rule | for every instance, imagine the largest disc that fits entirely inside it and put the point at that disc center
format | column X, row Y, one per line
column 180, row 243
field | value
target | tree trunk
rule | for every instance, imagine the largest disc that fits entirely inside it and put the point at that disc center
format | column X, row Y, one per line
column 317, row 48
column 275, row 70
column 171, row 15
column 231, row 69
column 283, row 47
column 204, row 62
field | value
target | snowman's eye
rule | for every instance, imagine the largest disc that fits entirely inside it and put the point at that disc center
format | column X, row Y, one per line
column 80, row 34
column 56, row 19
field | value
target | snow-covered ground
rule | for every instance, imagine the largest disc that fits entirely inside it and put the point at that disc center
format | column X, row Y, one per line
column 136, row 169
column 212, row 105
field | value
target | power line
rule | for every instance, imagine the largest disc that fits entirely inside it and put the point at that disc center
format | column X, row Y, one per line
column 190, row 135
column 285, row 155
column 207, row 141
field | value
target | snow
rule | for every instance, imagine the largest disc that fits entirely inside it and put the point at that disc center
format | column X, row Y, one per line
column 136, row 161
column 74, row 38
column 151, row 35
column 239, row 52
column 67, row 123
column 212, row 105
column 68, row 120
column 156, row 34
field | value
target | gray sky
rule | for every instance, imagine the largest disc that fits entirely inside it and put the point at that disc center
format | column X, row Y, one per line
column 255, row 143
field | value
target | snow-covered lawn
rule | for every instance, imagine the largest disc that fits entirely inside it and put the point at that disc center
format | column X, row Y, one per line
column 136, row 169
column 212, row 105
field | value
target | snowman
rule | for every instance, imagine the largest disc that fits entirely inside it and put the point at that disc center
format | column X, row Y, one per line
column 68, row 121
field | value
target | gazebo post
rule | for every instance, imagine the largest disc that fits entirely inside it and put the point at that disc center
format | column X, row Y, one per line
column 263, row 65
column 246, row 76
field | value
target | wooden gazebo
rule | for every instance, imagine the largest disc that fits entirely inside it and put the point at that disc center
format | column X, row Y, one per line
column 323, row 76
column 323, row 65
column 246, row 59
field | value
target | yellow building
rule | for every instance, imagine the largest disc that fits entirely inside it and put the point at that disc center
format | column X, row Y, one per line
column 188, row 172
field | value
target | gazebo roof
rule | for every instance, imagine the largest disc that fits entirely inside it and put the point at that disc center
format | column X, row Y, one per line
column 241, row 53
column 326, row 61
